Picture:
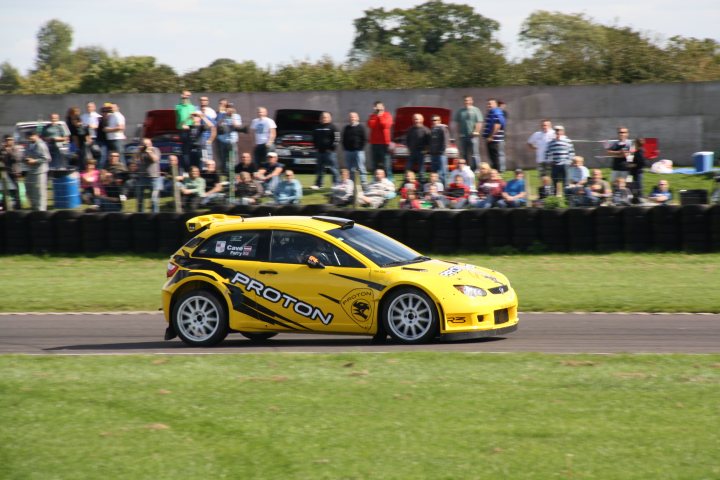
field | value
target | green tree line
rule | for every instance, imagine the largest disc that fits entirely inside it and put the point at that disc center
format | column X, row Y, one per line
column 435, row 44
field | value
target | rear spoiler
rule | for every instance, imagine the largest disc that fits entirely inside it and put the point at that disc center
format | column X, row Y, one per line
column 195, row 224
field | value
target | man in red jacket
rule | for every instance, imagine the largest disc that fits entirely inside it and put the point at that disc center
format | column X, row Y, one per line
column 379, row 124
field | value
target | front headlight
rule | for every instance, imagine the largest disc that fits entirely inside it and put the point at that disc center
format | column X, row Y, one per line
column 471, row 291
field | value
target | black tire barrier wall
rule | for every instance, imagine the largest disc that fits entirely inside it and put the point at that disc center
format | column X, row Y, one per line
column 693, row 228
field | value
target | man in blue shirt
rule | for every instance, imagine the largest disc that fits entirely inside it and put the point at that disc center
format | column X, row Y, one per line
column 288, row 191
column 494, row 132
column 514, row 194
column 559, row 153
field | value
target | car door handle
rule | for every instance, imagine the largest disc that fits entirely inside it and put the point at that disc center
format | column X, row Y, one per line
column 267, row 272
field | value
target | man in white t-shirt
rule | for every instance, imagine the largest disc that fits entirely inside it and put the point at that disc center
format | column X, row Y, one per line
column 538, row 142
column 90, row 119
column 264, row 129
column 115, row 130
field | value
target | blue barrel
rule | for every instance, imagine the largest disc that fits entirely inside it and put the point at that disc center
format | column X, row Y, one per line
column 66, row 189
column 703, row 161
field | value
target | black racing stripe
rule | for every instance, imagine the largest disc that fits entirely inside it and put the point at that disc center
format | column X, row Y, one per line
column 243, row 304
column 203, row 264
column 330, row 298
column 183, row 274
column 377, row 286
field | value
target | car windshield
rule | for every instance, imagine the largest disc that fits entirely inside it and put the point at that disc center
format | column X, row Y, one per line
column 380, row 249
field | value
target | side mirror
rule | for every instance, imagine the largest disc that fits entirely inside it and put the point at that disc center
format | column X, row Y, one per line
column 313, row 262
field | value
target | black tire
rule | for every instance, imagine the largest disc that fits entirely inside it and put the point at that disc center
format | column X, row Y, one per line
column 144, row 232
column 258, row 336
column 41, row 231
column 409, row 316
column 119, row 232
column 200, row 319
column 94, row 232
column 68, row 235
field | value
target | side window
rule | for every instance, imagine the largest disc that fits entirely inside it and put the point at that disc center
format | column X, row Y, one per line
column 238, row 245
column 296, row 247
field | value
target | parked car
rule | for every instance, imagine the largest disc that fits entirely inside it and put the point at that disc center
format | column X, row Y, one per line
column 403, row 121
column 160, row 127
column 292, row 274
column 294, row 140
column 23, row 128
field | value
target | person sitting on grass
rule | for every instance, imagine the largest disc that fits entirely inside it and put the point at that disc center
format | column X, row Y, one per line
column 577, row 177
column 661, row 194
column 247, row 190
column 411, row 201
column 343, row 192
column 112, row 193
column 434, row 180
column 192, row 189
column 597, row 191
column 289, row 190
column 269, row 173
column 514, row 194
column 490, row 191
column 409, row 182
column 545, row 190
column 433, row 198
column 90, row 182
column 457, row 193
column 377, row 192
column 214, row 188
column 621, row 194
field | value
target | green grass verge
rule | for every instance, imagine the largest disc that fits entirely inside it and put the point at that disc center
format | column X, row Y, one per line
column 654, row 282
column 360, row 416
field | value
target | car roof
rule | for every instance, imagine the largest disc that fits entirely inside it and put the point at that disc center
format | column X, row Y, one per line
column 321, row 224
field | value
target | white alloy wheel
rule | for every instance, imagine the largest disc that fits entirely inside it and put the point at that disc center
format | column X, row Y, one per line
column 410, row 316
column 200, row 319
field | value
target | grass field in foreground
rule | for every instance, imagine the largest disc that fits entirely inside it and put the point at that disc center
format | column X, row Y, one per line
column 360, row 416
column 668, row 282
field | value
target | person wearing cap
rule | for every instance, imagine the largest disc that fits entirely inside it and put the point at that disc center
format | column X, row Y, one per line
column 37, row 159
column 559, row 153
column 514, row 194
column 269, row 173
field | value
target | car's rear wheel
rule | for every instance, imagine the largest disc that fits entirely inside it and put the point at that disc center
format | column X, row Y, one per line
column 200, row 319
column 258, row 336
column 410, row 316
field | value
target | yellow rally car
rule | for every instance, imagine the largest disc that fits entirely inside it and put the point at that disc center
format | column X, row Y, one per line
column 266, row 275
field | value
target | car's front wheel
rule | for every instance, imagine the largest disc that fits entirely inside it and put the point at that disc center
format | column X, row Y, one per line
column 200, row 319
column 410, row 316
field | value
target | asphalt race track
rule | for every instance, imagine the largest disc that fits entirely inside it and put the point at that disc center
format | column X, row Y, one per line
column 142, row 333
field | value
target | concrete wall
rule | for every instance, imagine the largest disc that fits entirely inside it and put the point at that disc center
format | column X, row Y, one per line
column 684, row 117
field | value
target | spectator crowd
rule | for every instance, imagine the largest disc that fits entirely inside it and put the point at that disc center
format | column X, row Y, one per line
column 209, row 169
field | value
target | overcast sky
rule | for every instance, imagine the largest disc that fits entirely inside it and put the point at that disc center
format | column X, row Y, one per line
column 189, row 34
